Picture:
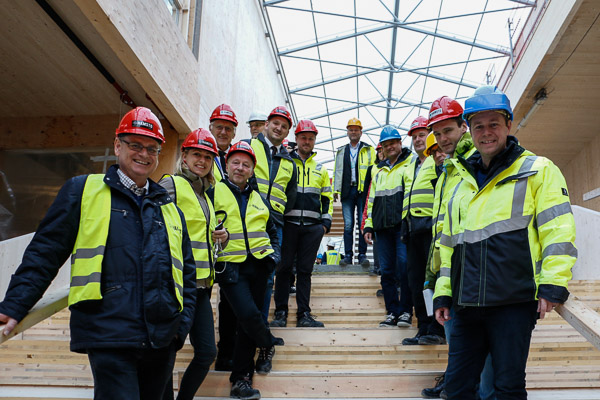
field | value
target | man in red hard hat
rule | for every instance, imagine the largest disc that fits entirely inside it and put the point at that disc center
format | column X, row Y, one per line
column 223, row 124
column 132, row 294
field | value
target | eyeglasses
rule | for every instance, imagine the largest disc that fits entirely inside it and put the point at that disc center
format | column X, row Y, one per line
column 152, row 150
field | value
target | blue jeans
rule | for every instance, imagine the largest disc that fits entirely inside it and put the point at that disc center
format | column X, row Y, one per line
column 504, row 332
column 269, row 291
column 392, row 264
column 354, row 201
column 486, row 379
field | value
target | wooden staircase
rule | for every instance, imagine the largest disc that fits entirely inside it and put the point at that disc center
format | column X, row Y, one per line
column 350, row 358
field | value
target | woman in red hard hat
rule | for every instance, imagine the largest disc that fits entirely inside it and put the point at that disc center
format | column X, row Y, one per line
column 193, row 175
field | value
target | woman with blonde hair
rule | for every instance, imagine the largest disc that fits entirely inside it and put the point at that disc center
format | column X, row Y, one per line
column 193, row 176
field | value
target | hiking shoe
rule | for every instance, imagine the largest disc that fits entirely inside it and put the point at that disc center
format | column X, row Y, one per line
column 432, row 339
column 292, row 290
column 223, row 364
column 242, row 389
column 345, row 261
column 277, row 341
column 280, row 319
column 411, row 341
column 405, row 320
column 390, row 321
column 264, row 360
column 363, row 261
column 379, row 293
column 308, row 321
column 434, row 392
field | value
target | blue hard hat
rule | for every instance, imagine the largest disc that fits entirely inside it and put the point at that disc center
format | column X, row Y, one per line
column 389, row 133
column 487, row 98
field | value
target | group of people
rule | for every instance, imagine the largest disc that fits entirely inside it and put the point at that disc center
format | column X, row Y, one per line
column 473, row 232
column 145, row 255
column 472, row 220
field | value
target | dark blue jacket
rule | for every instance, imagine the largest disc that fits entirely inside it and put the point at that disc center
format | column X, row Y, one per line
column 139, row 308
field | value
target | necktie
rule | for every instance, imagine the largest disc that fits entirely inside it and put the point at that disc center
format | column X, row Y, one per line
column 273, row 151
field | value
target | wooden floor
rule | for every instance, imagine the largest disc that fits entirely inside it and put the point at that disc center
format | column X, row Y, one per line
column 350, row 358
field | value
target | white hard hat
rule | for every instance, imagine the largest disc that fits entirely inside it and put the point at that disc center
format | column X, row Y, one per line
column 257, row 116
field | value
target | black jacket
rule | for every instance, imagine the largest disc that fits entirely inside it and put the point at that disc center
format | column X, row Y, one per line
column 139, row 308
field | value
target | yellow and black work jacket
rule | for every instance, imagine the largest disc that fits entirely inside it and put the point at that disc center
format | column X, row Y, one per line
column 132, row 265
column 314, row 200
column 201, row 221
column 386, row 196
column 249, row 223
column 509, row 233
column 418, row 195
column 445, row 184
column 342, row 170
column 275, row 177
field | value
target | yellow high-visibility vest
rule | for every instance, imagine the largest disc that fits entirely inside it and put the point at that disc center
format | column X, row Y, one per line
column 273, row 190
column 200, row 236
column 88, row 252
column 253, row 226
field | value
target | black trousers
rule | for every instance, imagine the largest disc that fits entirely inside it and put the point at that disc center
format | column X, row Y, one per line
column 131, row 374
column 417, row 252
column 227, row 328
column 300, row 242
column 246, row 298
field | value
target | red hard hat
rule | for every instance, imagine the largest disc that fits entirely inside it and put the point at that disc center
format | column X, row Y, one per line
column 244, row 147
column 419, row 122
column 442, row 109
column 225, row 113
column 141, row 121
column 281, row 111
column 306, row 125
column 378, row 146
column 201, row 139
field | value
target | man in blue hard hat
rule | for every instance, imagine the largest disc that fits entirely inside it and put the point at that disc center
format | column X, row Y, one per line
column 507, row 249
column 384, row 218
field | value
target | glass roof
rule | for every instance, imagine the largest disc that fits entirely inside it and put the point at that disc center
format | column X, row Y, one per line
column 385, row 61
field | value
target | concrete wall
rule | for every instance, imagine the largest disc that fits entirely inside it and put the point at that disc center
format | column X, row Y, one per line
column 588, row 237
column 582, row 175
column 237, row 66
column 11, row 253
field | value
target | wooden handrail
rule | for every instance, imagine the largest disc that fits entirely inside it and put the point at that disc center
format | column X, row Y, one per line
column 583, row 318
column 49, row 305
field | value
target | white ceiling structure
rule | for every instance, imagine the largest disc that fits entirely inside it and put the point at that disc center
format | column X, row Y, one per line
column 385, row 61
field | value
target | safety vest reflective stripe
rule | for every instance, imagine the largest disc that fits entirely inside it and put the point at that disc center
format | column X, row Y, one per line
column 200, row 236
column 306, row 213
column 553, row 212
column 419, row 191
column 252, row 227
column 251, row 235
column 388, row 192
column 560, row 249
column 88, row 251
column 326, row 189
column 418, row 205
column 310, row 190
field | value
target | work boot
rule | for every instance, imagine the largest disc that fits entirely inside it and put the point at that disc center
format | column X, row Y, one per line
column 308, row 321
column 347, row 260
column 432, row 339
column 264, row 360
column 242, row 389
column 280, row 319
column 412, row 341
column 434, row 392
column 363, row 261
